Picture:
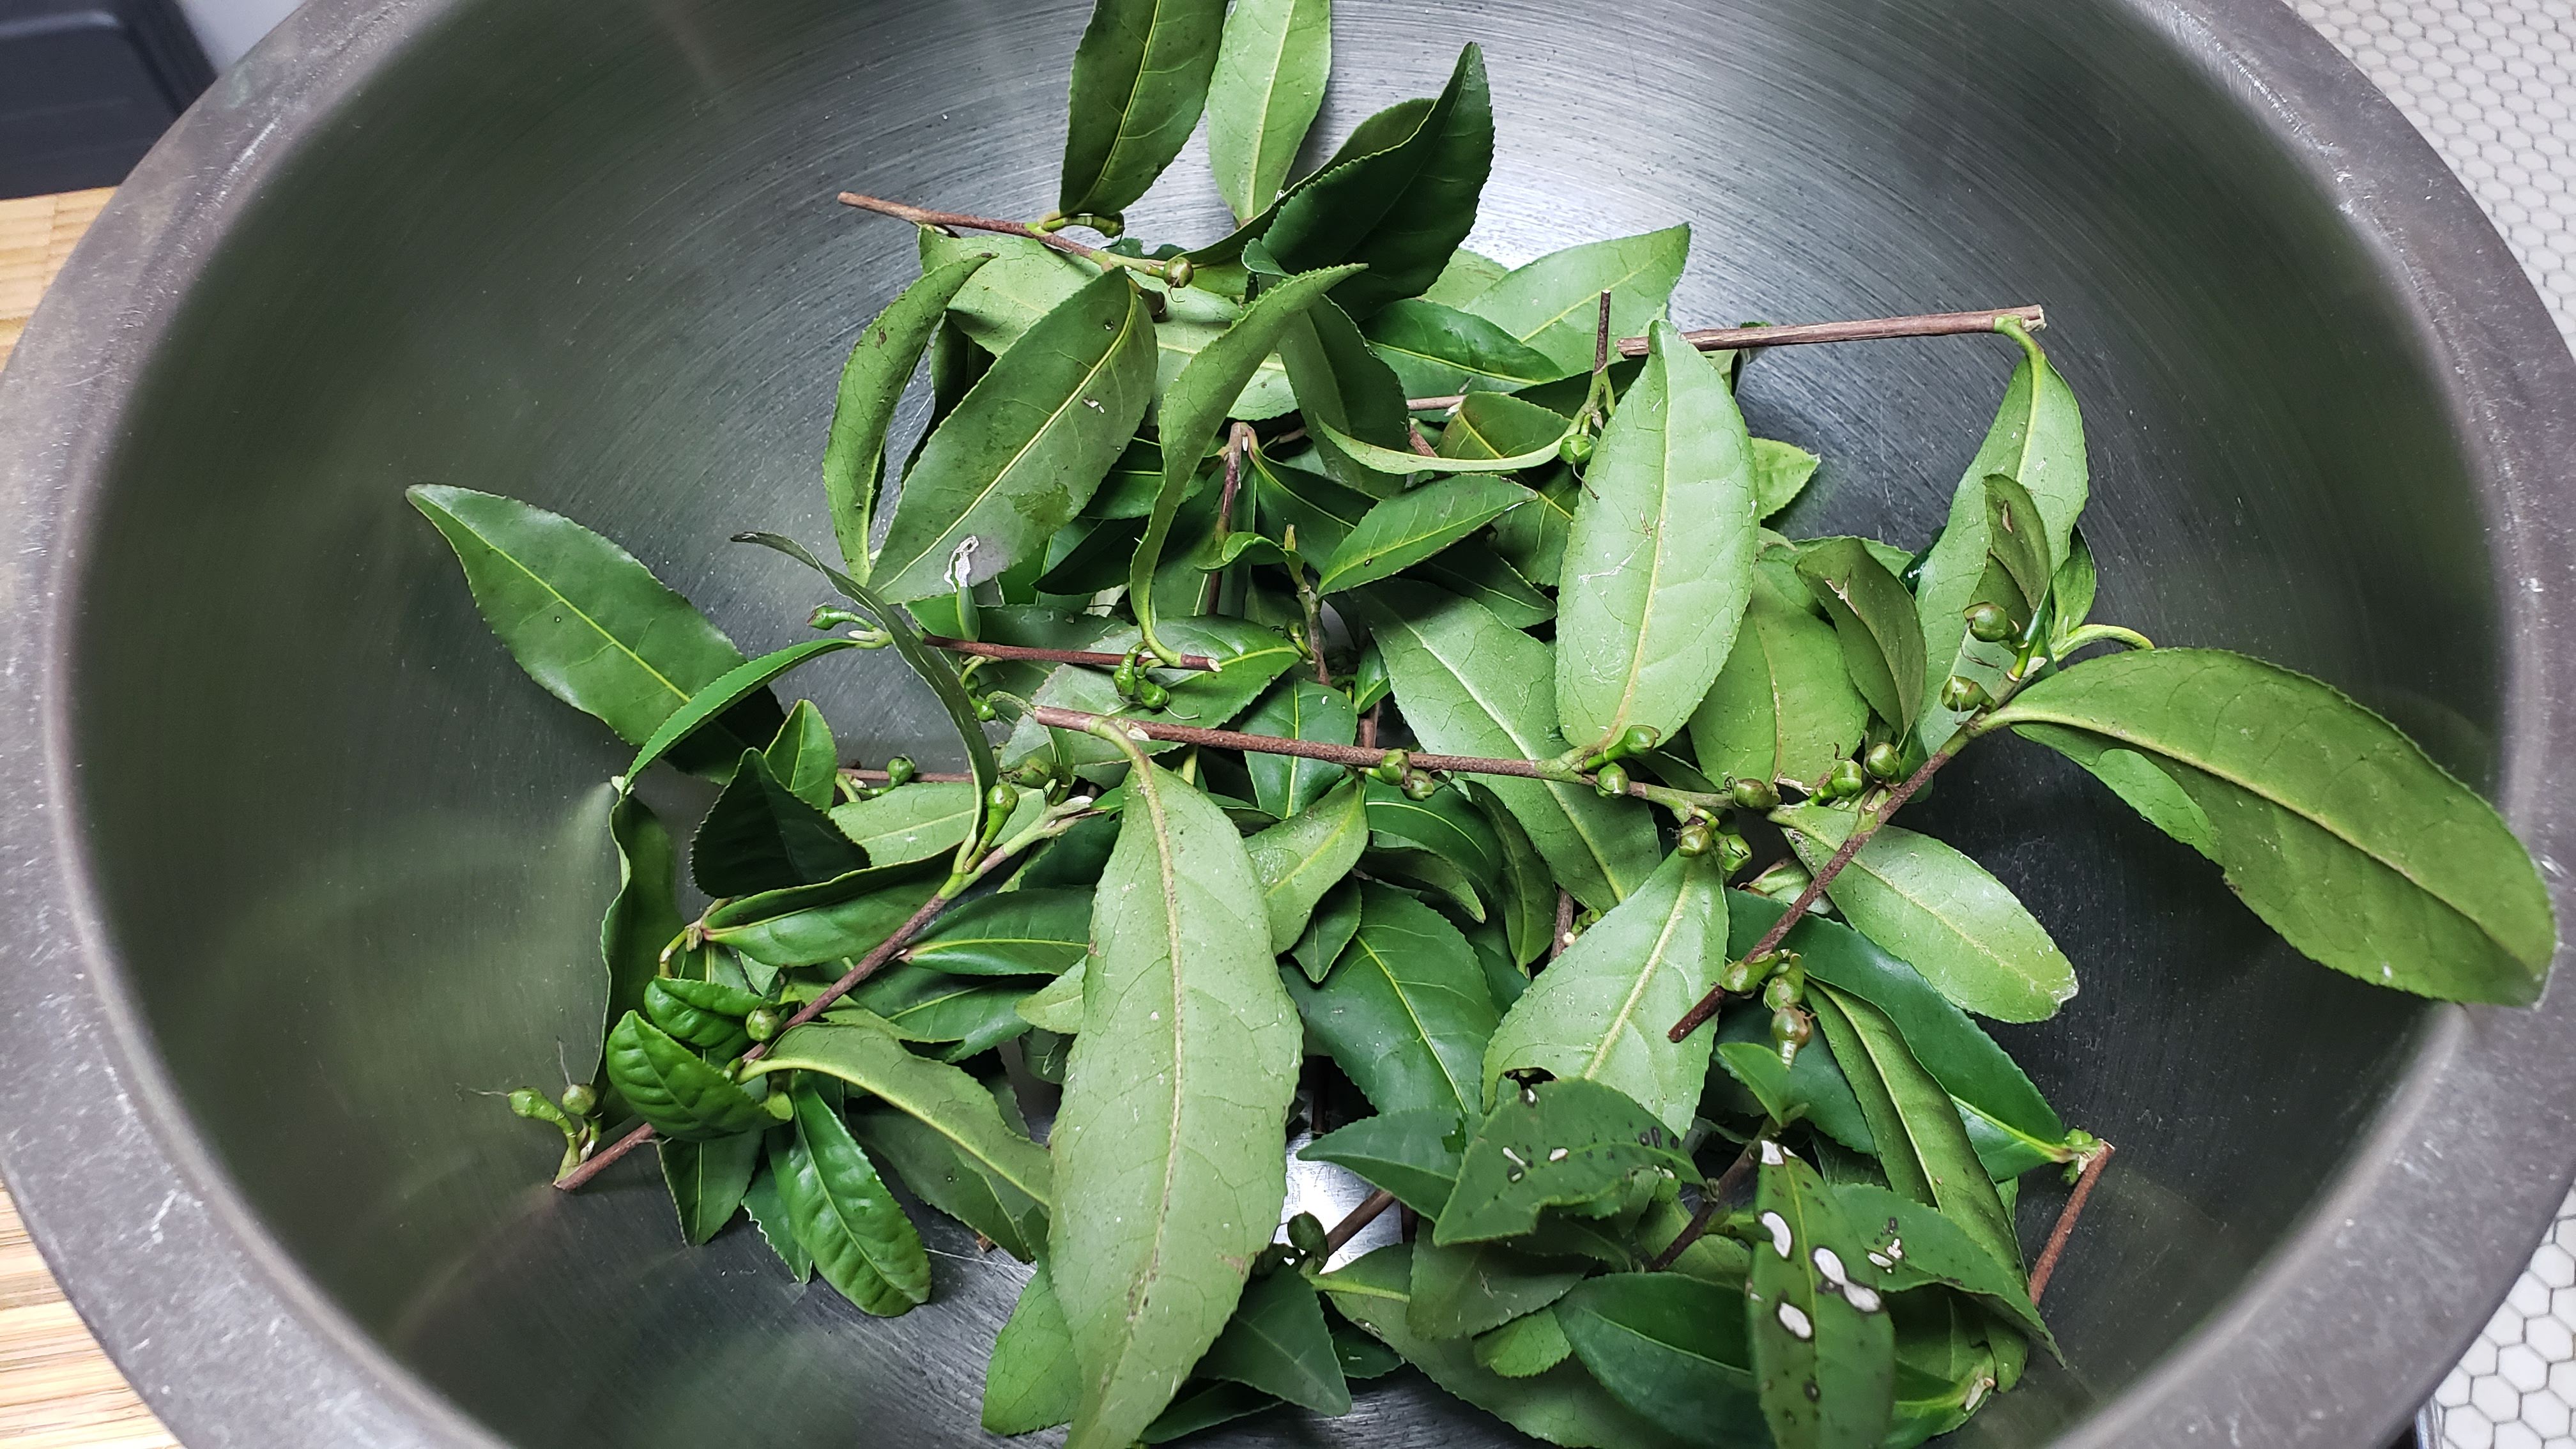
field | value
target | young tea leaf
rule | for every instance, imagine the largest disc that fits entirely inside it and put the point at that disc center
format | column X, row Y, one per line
column 768, row 1209
column 718, row 699
column 1553, row 304
column 708, row 1180
column 1600, row 1010
column 803, row 757
column 1531, row 538
column 1499, row 425
column 1405, row 1014
column 1269, row 83
column 674, row 1089
column 1166, row 1184
column 644, row 918
column 1335, row 922
column 1659, row 564
column 1472, row 685
column 1279, row 1344
column 976, row 1013
column 841, row 918
column 1530, row 1344
column 1780, row 474
column 1929, row 905
column 1556, row 1144
column 872, row 382
column 862, row 1243
column 1396, row 462
column 591, row 624
column 1824, row 1351
column 2336, row 829
column 1528, row 891
column 940, row 1097
column 1342, row 385
column 1140, row 78
column 1445, row 824
column 1413, row 525
column 911, row 822
column 1466, row 275
column 1437, row 350
column 1874, row 617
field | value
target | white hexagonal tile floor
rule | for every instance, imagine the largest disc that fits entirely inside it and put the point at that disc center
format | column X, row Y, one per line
column 2492, row 83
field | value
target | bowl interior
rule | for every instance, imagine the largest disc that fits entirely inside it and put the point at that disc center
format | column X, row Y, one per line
column 587, row 255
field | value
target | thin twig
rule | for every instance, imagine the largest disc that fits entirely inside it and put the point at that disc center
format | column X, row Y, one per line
column 1092, row 657
column 918, row 777
column 1564, row 933
column 1601, row 338
column 1842, row 856
column 866, row 967
column 1711, row 339
column 1712, row 1201
column 1368, row 726
column 1239, row 438
column 1360, row 756
column 963, row 221
column 2042, row 1270
column 1356, row 1219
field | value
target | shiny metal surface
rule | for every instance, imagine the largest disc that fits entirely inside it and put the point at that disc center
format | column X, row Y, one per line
column 298, row 864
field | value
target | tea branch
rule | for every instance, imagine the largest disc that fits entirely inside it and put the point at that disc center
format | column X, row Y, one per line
column 955, row 221
column 1092, row 657
column 1712, row 1201
column 2046, row 1267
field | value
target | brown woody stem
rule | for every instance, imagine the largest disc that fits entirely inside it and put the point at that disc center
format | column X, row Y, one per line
column 1356, row 1219
column 962, row 221
column 1556, row 941
column 1707, row 1005
column 2046, row 1267
column 1601, row 337
column 1710, row 339
column 919, row 777
column 1092, row 657
column 1712, row 1201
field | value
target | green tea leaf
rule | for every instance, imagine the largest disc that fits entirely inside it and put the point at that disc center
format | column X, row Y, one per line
column 759, row 837
column 872, row 382
column 1279, row 1343
column 1912, row 1245
column 1659, row 564
column 1811, row 1088
column 1566, row 1143
column 1057, row 1006
column 1599, row 1011
column 1194, row 408
column 1321, row 511
column 1530, row 1344
column 1562, row 1405
column 942, row 1098
column 1922, row 1147
column 1446, row 824
column 1305, row 855
column 1415, row 524
column 1780, row 474
column 1466, row 274
column 1026, row 446
column 808, row 925
column 1465, row 1290
column 1396, row 462
column 803, row 756
column 1471, row 685
column 1476, row 573
column 742, row 682
column 1824, row 1350
column 1498, row 425
column 1931, row 906
column 1412, row 1154
column 2017, row 543
column 2341, row 833
column 592, row 625
column 1134, row 482
column 1784, row 707
column 1168, row 1183
column 1140, row 77
column 768, row 1209
column 1554, row 304
column 1670, row 1347
column 644, row 918
column 1248, row 657
column 1874, row 618
column 1022, row 932
column 672, row 1088
column 950, row 1179
column 1342, row 384
column 1437, row 350
column 911, row 822
column 1204, row 1407
column 1405, row 1013
column 1297, row 709
column 1531, row 538
column 707, row 1181
column 1958, row 1054
column 1269, row 83
column 2073, row 590
column 1529, row 892
column 1335, row 922
column 1427, row 874
column 1401, row 210
column 862, row 1243
column 2037, row 441
column 1031, row 1383
column 976, row 1012
column 703, row 1014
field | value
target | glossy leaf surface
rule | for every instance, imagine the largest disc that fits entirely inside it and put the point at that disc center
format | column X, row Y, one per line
column 1140, row 78
column 759, row 836
column 880, row 364
column 1268, row 85
column 1912, row 1245
column 862, row 1243
column 1412, row 1154
column 803, row 756
column 1305, row 855
column 675, row 1090
column 1405, row 1013
column 1437, row 350
column 1670, row 1347
column 1023, row 932
column 840, row 918
column 707, row 1181
column 1415, row 524
column 1554, row 303
column 1468, row 1289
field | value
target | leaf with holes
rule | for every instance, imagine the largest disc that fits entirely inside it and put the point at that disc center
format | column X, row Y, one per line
column 1565, row 1143
column 1824, row 1349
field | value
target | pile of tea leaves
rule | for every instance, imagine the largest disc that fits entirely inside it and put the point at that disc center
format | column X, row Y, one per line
column 1388, row 737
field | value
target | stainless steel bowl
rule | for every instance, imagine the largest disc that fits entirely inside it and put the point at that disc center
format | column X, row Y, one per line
column 297, row 864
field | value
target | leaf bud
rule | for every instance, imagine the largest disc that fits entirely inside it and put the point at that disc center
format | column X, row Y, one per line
column 1306, row 1234
column 1962, row 694
column 1739, row 977
column 985, row 711
column 530, row 1103
column 1576, row 448
column 1695, row 839
column 1123, row 678
column 1418, row 785
column 1152, row 694
column 1989, row 624
column 1177, row 273
column 1001, row 799
column 1751, row 794
column 900, row 770
column 1639, row 739
column 1791, row 1029
column 1032, row 773
column 833, row 616
column 580, row 1099
column 1884, row 760
column 1780, row 992
column 1611, row 781
column 1732, row 853
column 1846, row 780
column 763, row 1023
column 1391, row 768
column 780, row 1106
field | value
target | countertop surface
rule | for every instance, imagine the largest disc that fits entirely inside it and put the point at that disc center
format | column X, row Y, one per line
column 2492, row 83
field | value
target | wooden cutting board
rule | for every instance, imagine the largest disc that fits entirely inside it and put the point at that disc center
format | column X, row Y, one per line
column 57, row 1390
